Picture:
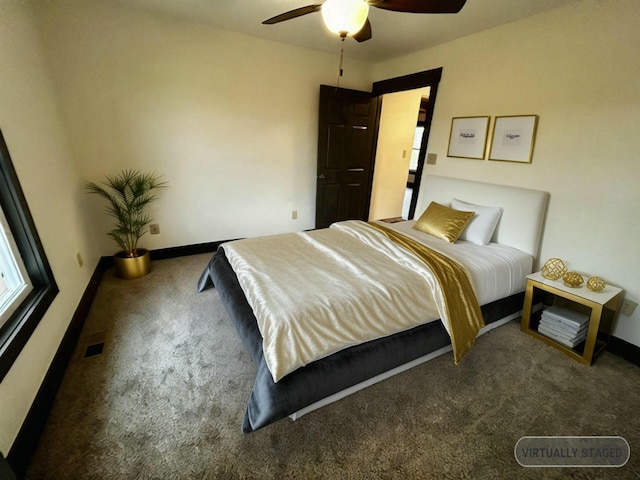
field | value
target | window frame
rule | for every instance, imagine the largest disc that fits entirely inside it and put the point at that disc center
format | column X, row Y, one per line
column 17, row 330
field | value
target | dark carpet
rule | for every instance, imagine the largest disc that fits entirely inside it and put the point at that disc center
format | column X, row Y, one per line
column 165, row 400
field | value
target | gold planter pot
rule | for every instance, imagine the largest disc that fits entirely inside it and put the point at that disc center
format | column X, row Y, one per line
column 133, row 267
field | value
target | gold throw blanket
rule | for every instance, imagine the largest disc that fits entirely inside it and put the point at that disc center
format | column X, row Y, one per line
column 461, row 305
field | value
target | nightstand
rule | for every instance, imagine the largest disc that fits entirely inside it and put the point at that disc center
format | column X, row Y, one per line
column 600, row 307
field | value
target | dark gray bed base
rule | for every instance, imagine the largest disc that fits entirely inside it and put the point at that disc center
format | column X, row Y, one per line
column 271, row 401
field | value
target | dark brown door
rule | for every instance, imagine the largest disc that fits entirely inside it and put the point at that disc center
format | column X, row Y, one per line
column 346, row 139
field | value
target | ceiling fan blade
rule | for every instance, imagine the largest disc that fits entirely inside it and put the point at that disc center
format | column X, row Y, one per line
column 419, row 6
column 298, row 12
column 364, row 34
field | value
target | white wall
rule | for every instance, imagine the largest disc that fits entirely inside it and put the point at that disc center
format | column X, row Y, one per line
column 30, row 123
column 577, row 68
column 229, row 120
column 398, row 121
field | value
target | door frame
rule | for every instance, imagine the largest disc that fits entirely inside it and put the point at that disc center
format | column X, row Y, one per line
column 426, row 78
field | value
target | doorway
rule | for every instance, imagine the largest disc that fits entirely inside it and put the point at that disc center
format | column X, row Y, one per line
column 339, row 196
column 411, row 192
column 397, row 156
column 427, row 83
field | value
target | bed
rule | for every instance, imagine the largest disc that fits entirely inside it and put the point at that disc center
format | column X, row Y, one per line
column 496, row 268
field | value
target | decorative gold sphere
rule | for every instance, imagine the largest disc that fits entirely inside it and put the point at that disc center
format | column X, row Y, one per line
column 553, row 269
column 572, row 279
column 596, row 284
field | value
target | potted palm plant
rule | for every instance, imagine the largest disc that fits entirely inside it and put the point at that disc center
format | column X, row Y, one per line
column 128, row 195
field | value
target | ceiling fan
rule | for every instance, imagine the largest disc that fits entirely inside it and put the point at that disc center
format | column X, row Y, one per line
column 349, row 17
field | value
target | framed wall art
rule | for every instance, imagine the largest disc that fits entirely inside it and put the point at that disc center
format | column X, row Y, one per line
column 513, row 138
column 468, row 137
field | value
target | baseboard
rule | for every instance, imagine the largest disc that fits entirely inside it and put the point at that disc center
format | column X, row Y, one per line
column 624, row 349
column 26, row 442
column 186, row 250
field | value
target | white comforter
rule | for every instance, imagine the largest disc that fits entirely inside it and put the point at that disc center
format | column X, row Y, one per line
column 315, row 293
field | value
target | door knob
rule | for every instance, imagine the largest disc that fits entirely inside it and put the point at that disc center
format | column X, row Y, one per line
column 321, row 175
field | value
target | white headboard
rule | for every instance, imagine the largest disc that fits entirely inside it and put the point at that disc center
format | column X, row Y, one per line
column 524, row 210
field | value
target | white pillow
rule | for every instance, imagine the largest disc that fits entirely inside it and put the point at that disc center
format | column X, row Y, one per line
column 481, row 227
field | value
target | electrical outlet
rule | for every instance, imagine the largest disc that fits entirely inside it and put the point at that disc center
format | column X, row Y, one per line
column 628, row 307
column 79, row 259
column 294, row 214
column 154, row 229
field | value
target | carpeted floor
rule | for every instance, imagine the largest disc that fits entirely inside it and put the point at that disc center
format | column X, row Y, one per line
column 166, row 397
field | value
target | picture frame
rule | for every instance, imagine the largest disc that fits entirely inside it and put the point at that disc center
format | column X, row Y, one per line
column 468, row 137
column 513, row 138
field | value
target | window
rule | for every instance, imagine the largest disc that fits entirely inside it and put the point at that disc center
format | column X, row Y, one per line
column 15, row 284
column 415, row 151
column 27, row 286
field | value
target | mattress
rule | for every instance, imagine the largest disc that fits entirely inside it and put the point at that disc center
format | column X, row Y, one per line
column 364, row 286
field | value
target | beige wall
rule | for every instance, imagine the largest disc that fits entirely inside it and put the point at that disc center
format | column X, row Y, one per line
column 398, row 121
column 577, row 68
column 30, row 123
column 229, row 120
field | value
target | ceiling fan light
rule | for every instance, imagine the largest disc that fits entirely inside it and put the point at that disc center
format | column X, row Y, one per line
column 345, row 17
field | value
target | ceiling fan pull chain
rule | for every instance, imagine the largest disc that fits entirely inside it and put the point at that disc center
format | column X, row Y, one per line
column 340, row 71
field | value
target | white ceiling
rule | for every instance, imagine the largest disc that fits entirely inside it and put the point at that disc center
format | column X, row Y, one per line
column 394, row 33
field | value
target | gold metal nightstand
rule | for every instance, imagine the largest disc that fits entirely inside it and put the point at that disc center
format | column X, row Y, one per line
column 600, row 306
